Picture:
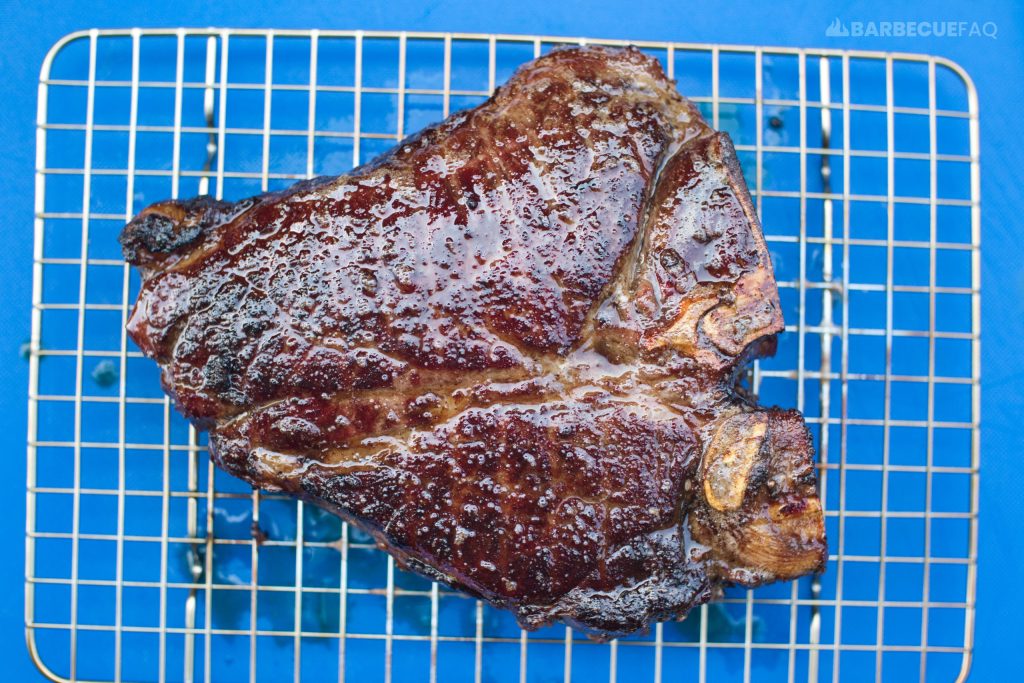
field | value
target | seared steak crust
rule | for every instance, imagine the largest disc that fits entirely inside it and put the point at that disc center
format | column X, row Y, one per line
column 507, row 348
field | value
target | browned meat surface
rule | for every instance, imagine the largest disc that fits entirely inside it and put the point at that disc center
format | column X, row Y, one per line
column 507, row 349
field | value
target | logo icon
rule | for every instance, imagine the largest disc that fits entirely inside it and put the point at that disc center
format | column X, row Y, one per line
column 837, row 29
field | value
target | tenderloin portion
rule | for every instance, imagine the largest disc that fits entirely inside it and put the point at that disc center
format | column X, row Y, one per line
column 507, row 349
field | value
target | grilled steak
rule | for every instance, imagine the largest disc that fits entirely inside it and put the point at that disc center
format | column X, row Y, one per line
column 507, row 348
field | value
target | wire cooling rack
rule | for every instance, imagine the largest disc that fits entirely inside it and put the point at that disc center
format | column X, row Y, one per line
column 145, row 563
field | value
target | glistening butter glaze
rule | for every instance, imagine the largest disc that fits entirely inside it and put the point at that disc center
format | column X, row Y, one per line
column 506, row 348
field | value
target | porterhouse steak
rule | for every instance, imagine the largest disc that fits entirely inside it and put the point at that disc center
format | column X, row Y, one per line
column 507, row 348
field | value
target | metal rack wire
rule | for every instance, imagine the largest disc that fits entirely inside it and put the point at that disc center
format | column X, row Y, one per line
column 144, row 563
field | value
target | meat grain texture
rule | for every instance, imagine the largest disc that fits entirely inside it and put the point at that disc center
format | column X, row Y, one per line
column 507, row 348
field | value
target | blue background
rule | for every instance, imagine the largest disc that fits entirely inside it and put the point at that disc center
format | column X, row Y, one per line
column 997, row 66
